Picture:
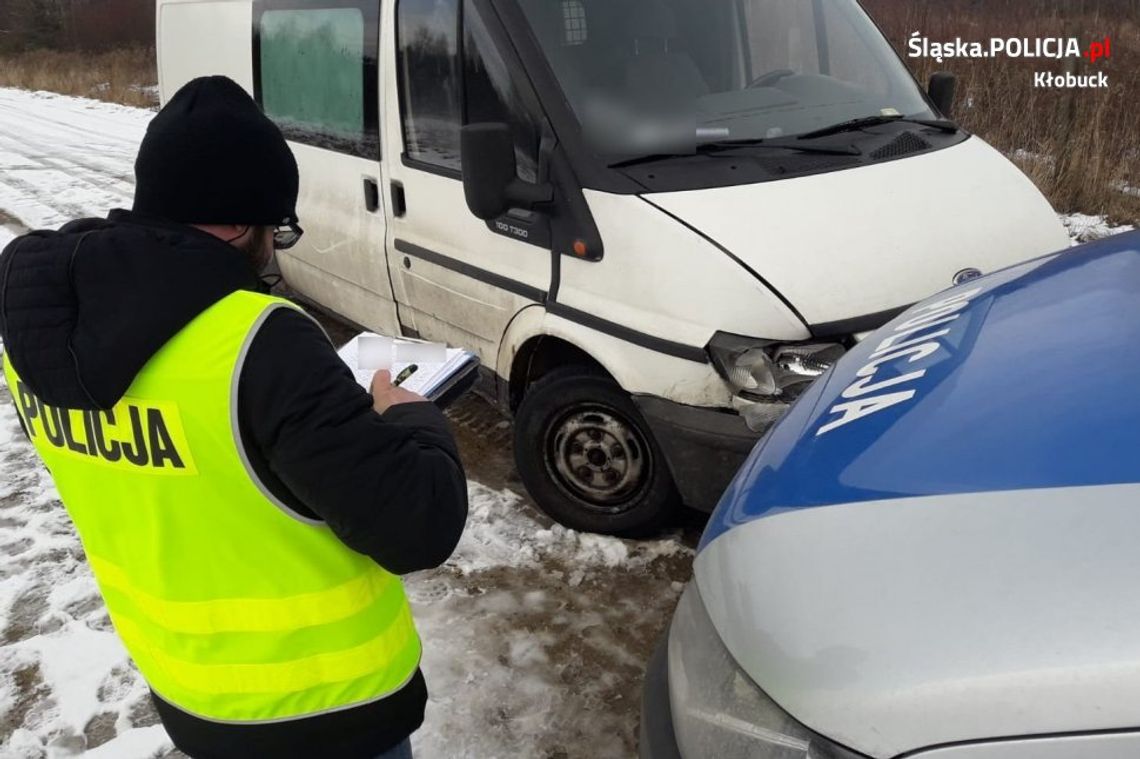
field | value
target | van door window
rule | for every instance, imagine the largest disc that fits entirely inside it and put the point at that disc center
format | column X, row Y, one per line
column 316, row 75
column 427, row 32
column 434, row 106
column 490, row 96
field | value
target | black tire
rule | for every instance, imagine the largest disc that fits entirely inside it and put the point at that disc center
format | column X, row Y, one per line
column 588, row 458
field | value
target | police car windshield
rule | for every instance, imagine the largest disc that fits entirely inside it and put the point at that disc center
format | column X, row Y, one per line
column 652, row 76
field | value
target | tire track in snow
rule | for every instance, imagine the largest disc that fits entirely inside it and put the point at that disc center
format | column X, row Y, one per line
column 118, row 171
column 57, row 213
column 99, row 178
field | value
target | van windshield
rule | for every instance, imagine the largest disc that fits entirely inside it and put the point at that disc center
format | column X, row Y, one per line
column 648, row 76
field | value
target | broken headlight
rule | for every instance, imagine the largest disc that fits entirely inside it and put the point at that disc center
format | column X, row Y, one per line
column 764, row 370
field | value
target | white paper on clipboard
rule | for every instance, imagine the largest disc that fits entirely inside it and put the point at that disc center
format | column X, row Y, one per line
column 367, row 353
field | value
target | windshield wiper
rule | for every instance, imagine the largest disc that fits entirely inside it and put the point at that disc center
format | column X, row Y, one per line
column 855, row 124
column 783, row 143
column 705, row 148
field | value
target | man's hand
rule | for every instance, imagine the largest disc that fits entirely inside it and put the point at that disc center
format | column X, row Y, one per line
column 385, row 394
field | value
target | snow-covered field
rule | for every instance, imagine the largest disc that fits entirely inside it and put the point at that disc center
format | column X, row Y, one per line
column 535, row 636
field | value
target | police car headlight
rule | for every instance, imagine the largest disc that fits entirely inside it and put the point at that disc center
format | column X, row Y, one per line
column 763, row 370
column 717, row 710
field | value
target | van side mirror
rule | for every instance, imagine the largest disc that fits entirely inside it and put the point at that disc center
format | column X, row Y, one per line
column 490, row 181
column 943, row 86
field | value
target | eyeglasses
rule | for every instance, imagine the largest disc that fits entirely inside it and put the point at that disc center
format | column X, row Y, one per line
column 286, row 236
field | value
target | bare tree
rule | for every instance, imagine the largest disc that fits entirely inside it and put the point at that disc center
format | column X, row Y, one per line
column 34, row 23
column 75, row 24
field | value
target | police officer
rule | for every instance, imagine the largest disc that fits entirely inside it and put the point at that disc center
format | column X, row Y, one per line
column 245, row 507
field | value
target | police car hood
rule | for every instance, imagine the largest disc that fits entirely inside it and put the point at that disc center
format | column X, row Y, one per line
column 83, row 309
column 850, row 244
column 939, row 541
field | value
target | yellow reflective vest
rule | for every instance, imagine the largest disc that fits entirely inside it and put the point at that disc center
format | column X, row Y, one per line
column 233, row 607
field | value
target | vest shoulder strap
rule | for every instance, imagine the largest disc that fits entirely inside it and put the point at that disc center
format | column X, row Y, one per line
column 262, row 304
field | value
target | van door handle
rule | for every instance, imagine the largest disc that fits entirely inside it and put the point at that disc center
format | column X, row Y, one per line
column 399, row 201
column 371, row 194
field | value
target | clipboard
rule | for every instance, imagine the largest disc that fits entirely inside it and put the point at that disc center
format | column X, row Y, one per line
column 444, row 374
column 457, row 385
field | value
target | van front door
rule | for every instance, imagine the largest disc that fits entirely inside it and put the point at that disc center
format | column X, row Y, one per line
column 316, row 75
column 457, row 279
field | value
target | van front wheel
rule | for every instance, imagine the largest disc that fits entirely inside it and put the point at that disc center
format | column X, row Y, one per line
column 588, row 458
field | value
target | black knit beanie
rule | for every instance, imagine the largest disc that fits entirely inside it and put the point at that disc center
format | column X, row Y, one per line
column 211, row 156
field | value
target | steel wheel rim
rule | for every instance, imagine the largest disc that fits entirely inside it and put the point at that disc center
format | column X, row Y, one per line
column 598, row 457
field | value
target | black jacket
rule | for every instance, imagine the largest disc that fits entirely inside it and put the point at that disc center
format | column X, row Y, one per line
column 83, row 309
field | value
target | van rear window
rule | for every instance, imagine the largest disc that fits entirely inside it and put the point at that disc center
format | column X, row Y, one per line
column 313, row 78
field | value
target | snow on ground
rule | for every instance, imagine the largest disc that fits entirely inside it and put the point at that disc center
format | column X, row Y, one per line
column 1085, row 228
column 535, row 636
column 530, row 615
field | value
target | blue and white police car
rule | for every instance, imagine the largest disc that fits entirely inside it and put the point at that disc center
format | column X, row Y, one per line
column 936, row 553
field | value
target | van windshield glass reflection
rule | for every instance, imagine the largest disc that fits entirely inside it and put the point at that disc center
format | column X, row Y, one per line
column 646, row 76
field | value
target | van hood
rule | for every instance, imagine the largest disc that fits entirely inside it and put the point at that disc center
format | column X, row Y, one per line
column 851, row 244
column 938, row 542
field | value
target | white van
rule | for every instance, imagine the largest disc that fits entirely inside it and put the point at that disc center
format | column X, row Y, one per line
column 629, row 209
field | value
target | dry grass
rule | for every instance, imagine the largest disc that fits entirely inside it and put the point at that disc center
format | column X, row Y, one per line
column 1081, row 147
column 128, row 76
